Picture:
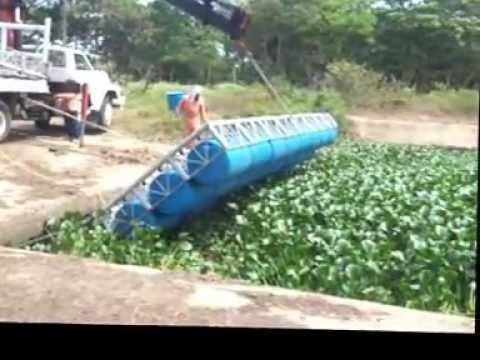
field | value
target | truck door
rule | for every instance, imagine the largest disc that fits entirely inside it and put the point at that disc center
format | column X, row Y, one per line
column 58, row 70
column 98, row 81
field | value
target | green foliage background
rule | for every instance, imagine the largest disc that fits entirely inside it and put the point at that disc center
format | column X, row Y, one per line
column 420, row 43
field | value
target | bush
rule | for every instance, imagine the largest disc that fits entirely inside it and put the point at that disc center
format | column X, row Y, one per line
column 450, row 102
column 331, row 101
column 364, row 88
column 354, row 82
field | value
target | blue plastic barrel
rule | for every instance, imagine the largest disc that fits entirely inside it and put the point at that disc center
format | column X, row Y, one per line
column 262, row 154
column 280, row 149
column 289, row 163
column 227, row 186
column 307, row 142
column 170, row 194
column 306, row 156
column 321, row 138
column 135, row 213
column 296, row 144
column 281, row 154
column 332, row 136
column 240, row 182
column 210, row 164
column 252, row 177
column 173, row 99
column 248, row 177
column 205, row 198
column 286, row 170
column 277, row 166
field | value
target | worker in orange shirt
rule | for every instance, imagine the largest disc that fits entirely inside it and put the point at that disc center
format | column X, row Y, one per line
column 73, row 104
column 193, row 111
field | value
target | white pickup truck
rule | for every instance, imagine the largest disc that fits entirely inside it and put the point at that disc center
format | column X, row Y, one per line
column 69, row 65
column 43, row 73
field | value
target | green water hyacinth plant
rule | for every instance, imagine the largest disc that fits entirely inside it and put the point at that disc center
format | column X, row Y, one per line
column 388, row 223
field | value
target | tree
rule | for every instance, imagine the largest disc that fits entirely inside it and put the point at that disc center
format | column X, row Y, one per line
column 422, row 42
column 428, row 42
column 298, row 39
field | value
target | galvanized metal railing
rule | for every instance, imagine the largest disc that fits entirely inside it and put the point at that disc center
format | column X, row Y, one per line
column 231, row 134
column 25, row 62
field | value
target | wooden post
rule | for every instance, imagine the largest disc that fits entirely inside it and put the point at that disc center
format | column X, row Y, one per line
column 64, row 20
column 83, row 112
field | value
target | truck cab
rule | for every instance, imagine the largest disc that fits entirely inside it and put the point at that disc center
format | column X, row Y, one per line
column 39, row 70
column 67, row 65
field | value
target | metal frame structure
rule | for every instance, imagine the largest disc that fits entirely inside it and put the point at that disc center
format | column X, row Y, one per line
column 24, row 63
column 231, row 134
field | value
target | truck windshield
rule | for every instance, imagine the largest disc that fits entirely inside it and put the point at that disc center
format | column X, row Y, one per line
column 81, row 63
column 57, row 58
column 93, row 61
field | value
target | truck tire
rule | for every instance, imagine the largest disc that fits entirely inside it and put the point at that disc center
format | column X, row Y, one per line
column 102, row 117
column 5, row 120
column 105, row 116
column 43, row 120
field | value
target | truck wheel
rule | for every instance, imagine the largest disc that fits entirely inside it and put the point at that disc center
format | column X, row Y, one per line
column 43, row 121
column 5, row 120
column 106, row 113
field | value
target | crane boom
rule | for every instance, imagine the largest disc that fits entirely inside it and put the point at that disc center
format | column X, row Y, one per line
column 231, row 19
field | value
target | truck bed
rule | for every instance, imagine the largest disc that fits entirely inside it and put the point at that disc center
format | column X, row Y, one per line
column 9, row 73
column 21, row 84
column 22, row 73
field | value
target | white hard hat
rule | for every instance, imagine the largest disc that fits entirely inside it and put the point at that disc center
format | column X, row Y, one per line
column 196, row 90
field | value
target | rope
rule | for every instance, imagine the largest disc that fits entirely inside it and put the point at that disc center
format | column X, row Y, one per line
column 92, row 124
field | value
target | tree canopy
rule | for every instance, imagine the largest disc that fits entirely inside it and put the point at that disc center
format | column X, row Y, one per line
column 421, row 42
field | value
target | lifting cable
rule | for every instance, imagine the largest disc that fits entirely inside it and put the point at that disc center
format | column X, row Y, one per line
column 87, row 122
column 268, row 84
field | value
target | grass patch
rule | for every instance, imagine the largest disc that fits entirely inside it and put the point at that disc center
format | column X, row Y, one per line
column 147, row 115
column 363, row 89
column 463, row 103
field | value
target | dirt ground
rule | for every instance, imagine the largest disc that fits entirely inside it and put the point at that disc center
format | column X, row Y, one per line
column 39, row 288
column 416, row 129
column 43, row 174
